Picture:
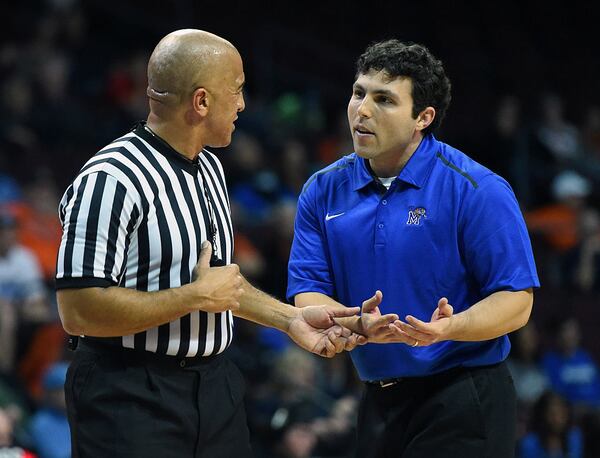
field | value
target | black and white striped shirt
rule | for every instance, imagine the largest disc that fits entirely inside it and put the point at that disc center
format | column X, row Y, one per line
column 136, row 217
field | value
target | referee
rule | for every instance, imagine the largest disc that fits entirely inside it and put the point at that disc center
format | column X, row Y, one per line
column 144, row 273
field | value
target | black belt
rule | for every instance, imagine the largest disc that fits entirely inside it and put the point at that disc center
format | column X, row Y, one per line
column 134, row 356
column 388, row 382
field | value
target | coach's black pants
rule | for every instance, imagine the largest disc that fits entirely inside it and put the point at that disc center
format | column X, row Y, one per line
column 461, row 413
column 127, row 403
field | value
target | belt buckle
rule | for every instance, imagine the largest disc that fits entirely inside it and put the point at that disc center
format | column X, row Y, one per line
column 386, row 383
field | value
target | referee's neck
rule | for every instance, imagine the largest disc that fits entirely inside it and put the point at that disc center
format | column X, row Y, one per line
column 183, row 139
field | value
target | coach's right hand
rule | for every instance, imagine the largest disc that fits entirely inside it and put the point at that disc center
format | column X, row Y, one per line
column 215, row 289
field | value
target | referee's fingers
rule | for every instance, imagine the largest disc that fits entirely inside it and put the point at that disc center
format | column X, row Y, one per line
column 205, row 254
column 340, row 310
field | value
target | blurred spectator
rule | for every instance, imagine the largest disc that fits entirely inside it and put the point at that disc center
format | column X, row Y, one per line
column 336, row 144
column 556, row 145
column 21, row 286
column 564, row 225
column 254, row 186
column 38, row 225
column 9, row 446
column 20, row 275
column 9, row 189
column 591, row 132
column 294, row 163
column 8, row 335
column 560, row 138
column 49, row 425
column 248, row 257
column 291, row 399
column 587, row 271
column 505, row 152
column 524, row 364
column 571, row 370
column 552, row 432
column 590, row 428
column 46, row 346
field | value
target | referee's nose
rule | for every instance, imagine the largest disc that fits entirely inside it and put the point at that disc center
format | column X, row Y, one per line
column 241, row 104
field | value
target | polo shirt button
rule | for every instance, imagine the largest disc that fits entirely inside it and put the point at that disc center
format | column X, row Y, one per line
column 182, row 363
column 380, row 225
column 384, row 202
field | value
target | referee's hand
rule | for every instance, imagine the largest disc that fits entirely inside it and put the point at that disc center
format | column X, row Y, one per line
column 216, row 289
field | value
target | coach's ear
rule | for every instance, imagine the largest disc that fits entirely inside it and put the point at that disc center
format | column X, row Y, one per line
column 201, row 101
column 425, row 118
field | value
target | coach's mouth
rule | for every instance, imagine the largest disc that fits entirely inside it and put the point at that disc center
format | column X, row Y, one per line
column 362, row 131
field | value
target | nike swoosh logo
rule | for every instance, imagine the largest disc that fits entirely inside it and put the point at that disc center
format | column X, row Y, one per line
column 328, row 216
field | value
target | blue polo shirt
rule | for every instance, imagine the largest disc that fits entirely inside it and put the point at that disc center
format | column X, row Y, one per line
column 446, row 227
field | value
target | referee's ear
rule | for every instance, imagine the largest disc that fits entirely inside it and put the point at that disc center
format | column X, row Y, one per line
column 200, row 101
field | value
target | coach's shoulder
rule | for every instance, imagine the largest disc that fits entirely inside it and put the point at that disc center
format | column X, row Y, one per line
column 463, row 167
column 332, row 174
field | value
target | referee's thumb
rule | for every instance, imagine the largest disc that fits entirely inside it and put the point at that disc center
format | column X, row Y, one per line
column 205, row 255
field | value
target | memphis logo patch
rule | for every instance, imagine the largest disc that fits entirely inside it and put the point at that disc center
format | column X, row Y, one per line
column 415, row 214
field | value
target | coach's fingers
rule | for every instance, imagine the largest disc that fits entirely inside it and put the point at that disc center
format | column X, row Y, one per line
column 384, row 320
column 445, row 308
column 418, row 334
column 398, row 335
column 372, row 303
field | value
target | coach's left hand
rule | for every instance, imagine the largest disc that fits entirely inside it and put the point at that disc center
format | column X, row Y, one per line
column 421, row 333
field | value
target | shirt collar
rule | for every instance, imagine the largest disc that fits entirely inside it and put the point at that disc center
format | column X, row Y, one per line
column 415, row 172
column 165, row 149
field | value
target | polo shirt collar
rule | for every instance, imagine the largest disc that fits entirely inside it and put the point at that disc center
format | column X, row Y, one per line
column 165, row 149
column 415, row 172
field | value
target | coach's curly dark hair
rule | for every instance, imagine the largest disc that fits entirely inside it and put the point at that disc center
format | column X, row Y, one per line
column 431, row 86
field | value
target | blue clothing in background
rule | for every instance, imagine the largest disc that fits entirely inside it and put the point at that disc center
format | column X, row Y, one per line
column 531, row 446
column 50, row 433
column 574, row 377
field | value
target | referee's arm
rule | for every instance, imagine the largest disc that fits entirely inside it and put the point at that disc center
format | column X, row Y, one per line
column 115, row 311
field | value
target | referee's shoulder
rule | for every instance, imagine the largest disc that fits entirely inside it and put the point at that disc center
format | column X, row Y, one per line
column 112, row 160
column 112, row 150
column 334, row 173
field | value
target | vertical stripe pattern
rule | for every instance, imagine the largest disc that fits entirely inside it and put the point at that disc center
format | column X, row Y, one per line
column 136, row 217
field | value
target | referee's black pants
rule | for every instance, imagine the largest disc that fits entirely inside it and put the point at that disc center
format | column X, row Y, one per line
column 460, row 413
column 128, row 403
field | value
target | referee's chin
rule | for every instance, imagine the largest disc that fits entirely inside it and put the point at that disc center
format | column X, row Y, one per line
column 220, row 143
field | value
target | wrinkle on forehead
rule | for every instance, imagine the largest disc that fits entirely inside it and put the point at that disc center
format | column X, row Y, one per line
column 184, row 60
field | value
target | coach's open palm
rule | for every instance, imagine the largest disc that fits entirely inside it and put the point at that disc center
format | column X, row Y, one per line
column 376, row 327
column 216, row 288
column 435, row 330
column 315, row 330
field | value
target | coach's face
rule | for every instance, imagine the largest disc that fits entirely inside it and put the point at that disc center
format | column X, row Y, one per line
column 226, row 101
column 380, row 115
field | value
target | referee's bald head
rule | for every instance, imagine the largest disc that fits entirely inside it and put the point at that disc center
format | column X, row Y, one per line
column 183, row 61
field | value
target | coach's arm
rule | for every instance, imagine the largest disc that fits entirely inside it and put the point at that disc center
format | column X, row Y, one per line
column 496, row 315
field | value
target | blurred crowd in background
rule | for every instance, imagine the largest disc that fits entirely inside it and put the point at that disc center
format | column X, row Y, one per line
column 72, row 78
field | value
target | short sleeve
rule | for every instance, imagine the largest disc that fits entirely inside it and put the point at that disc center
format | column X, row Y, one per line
column 309, row 265
column 495, row 241
column 98, row 215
